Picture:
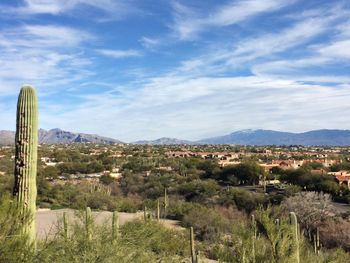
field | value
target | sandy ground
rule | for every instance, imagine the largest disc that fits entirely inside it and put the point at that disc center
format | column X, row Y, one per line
column 48, row 221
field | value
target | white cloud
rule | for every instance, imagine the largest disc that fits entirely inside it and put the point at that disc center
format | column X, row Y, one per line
column 339, row 49
column 188, row 23
column 42, row 36
column 119, row 53
column 203, row 107
column 256, row 52
column 47, row 56
column 149, row 42
column 114, row 9
column 47, row 6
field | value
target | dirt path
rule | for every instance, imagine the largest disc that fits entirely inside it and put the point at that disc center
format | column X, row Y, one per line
column 47, row 221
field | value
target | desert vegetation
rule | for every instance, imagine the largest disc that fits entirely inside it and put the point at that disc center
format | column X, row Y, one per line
column 223, row 214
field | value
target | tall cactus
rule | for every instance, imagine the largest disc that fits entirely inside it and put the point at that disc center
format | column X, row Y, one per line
column 294, row 223
column 26, row 142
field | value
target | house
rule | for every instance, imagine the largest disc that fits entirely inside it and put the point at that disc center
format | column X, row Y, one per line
column 342, row 176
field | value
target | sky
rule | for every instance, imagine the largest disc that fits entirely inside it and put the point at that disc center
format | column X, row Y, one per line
column 144, row 69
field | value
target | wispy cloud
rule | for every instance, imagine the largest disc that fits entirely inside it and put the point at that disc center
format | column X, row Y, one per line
column 119, row 53
column 115, row 9
column 339, row 49
column 188, row 23
column 149, row 42
column 45, row 55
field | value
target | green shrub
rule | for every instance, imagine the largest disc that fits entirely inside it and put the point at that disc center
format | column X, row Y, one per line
column 243, row 199
column 207, row 222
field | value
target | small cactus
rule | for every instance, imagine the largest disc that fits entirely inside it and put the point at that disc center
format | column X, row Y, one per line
column 294, row 223
column 316, row 241
column 166, row 202
column 115, row 225
column 26, row 142
column 193, row 251
column 253, row 237
column 158, row 210
column 145, row 213
column 65, row 225
column 88, row 223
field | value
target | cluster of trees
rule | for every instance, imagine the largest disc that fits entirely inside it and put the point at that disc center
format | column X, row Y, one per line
column 309, row 181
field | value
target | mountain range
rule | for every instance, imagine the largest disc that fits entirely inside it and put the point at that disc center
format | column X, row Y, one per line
column 164, row 141
column 268, row 137
column 58, row 136
column 244, row 137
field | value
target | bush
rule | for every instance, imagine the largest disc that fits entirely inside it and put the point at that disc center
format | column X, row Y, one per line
column 178, row 209
column 243, row 199
column 199, row 190
column 335, row 233
column 127, row 205
column 207, row 223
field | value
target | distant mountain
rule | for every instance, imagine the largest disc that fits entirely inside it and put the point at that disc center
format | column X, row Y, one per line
column 164, row 141
column 7, row 137
column 58, row 136
column 243, row 137
column 268, row 137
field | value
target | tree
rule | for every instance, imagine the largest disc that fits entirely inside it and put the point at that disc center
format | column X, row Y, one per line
column 246, row 173
column 311, row 208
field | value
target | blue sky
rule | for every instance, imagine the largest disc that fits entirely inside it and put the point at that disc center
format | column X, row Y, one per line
column 143, row 69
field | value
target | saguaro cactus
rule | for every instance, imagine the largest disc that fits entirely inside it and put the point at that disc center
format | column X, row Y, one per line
column 294, row 223
column 26, row 142
column 115, row 225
